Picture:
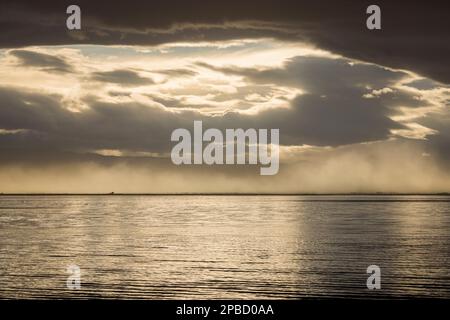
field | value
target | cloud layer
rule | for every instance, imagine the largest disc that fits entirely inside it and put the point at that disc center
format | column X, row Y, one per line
column 313, row 100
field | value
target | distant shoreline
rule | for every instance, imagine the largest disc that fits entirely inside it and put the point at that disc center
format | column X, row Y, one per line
column 227, row 194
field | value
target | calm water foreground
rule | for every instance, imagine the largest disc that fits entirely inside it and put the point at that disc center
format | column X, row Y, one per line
column 207, row 247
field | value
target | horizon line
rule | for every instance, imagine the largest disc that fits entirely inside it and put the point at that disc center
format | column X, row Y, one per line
column 225, row 194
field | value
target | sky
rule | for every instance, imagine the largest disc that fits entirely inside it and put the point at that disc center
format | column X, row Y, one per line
column 93, row 110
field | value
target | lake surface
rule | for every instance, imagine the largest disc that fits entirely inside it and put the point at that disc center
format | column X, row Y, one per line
column 224, row 247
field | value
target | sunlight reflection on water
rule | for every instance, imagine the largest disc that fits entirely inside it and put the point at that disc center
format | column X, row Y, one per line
column 250, row 247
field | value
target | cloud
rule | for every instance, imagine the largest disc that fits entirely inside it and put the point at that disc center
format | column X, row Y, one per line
column 334, row 108
column 403, row 42
column 307, row 72
column 342, row 123
column 393, row 166
column 42, row 61
column 178, row 72
column 122, row 77
column 438, row 144
column 331, row 110
column 333, row 121
column 168, row 102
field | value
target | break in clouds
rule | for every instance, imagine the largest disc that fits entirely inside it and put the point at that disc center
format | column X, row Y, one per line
column 97, row 117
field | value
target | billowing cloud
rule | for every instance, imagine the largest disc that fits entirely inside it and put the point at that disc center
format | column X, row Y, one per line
column 331, row 110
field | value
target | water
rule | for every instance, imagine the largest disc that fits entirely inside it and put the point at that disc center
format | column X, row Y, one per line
column 207, row 247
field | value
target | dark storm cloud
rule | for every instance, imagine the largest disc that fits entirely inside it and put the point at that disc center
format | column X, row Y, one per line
column 103, row 126
column 332, row 121
column 37, row 112
column 123, row 77
column 414, row 35
column 42, row 61
column 313, row 120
